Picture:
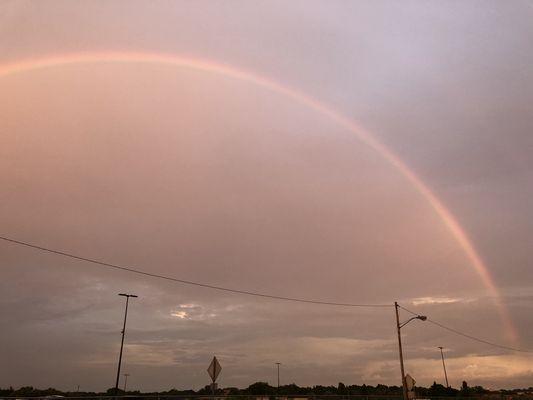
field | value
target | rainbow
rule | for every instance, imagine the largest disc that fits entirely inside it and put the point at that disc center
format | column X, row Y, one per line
column 199, row 64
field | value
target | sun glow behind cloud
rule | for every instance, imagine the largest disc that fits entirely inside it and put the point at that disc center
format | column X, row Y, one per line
column 180, row 314
column 438, row 300
column 493, row 371
column 193, row 312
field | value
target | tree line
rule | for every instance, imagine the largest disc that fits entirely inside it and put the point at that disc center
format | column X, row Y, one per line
column 263, row 388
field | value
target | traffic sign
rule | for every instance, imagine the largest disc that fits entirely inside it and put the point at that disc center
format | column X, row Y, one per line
column 214, row 369
column 410, row 382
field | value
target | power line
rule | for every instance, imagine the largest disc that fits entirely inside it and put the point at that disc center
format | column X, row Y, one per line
column 186, row 282
column 466, row 335
column 250, row 293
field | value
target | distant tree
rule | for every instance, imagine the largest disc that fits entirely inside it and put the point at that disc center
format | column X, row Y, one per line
column 205, row 390
column 341, row 389
column 231, row 391
column 292, row 388
column 25, row 391
column 6, row 392
column 381, row 389
column 112, row 392
column 477, row 390
column 259, row 388
column 437, row 390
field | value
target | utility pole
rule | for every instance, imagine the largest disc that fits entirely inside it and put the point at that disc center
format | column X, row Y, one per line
column 444, row 366
column 398, row 327
column 404, row 386
column 127, row 296
column 278, row 364
column 126, row 381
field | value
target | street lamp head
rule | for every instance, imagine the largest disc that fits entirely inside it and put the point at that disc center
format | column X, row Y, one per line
column 127, row 295
column 420, row 317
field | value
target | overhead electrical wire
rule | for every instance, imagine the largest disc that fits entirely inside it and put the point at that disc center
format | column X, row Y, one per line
column 466, row 335
column 187, row 282
column 251, row 293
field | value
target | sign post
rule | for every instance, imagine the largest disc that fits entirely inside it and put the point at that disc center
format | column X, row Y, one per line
column 410, row 383
column 213, row 371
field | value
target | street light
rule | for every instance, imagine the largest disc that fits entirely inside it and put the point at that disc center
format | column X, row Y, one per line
column 278, row 364
column 126, row 381
column 443, row 365
column 398, row 327
column 127, row 296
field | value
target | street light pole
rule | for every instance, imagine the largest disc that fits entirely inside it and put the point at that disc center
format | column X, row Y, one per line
column 278, row 364
column 444, row 366
column 398, row 327
column 126, row 381
column 404, row 386
column 127, row 296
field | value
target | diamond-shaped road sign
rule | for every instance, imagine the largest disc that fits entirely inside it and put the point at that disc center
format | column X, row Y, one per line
column 410, row 382
column 214, row 369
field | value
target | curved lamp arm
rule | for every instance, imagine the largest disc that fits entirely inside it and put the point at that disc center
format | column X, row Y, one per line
column 420, row 317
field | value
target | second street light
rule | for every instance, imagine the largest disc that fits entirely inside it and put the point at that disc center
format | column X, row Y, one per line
column 278, row 364
column 125, row 382
column 444, row 366
column 127, row 296
column 398, row 327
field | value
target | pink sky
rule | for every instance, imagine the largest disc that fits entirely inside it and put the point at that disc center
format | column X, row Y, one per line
column 210, row 178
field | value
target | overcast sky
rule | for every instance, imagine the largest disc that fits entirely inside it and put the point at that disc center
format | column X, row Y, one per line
column 213, row 179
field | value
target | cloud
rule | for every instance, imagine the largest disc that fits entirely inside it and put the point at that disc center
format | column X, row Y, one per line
column 180, row 314
column 489, row 371
column 437, row 300
column 209, row 179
